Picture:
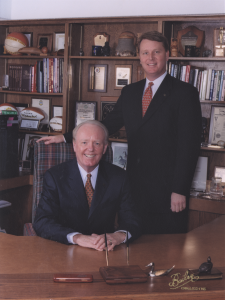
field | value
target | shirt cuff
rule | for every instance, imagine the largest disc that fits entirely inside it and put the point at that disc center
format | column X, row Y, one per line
column 70, row 237
column 127, row 235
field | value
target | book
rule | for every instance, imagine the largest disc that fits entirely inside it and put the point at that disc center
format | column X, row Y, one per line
column 223, row 88
column 218, row 85
column 187, row 74
column 215, row 85
column 26, row 78
column 196, row 77
column 221, row 85
column 211, row 85
column 208, row 84
column 203, row 84
column 191, row 77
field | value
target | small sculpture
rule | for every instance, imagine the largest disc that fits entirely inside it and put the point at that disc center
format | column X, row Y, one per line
column 30, row 51
column 157, row 273
column 206, row 267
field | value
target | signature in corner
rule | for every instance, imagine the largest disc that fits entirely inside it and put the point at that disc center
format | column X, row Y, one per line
column 178, row 282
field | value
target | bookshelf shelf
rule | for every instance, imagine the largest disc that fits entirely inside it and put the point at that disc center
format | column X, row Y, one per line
column 30, row 93
column 29, row 56
column 40, row 132
column 105, row 57
column 197, row 58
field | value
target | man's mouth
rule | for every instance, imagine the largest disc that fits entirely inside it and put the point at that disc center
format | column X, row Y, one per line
column 90, row 155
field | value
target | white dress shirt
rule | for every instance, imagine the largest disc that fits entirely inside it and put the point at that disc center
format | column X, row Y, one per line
column 156, row 84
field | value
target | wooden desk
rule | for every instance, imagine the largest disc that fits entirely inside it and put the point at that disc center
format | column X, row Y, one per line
column 27, row 265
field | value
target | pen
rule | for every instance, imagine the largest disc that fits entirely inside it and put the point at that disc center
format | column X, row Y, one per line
column 127, row 250
column 106, row 251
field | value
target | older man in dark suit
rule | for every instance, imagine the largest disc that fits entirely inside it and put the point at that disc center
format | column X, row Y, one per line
column 81, row 197
column 163, row 134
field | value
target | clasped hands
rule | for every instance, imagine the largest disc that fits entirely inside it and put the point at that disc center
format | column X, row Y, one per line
column 97, row 242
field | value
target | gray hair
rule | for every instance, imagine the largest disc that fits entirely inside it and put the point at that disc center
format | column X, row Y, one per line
column 94, row 123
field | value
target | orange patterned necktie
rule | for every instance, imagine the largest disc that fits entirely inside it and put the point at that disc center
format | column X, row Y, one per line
column 89, row 190
column 147, row 98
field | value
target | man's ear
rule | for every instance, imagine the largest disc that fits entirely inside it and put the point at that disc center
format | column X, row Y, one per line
column 74, row 146
column 105, row 147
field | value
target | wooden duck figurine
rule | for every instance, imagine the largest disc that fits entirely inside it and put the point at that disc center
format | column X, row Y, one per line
column 206, row 267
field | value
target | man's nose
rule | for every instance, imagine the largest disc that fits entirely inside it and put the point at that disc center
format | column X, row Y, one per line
column 90, row 146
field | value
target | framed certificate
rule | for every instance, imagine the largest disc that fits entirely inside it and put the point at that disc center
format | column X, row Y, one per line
column 57, row 111
column 122, row 76
column 97, row 78
column 219, row 172
column 44, row 105
column 85, row 111
column 217, row 125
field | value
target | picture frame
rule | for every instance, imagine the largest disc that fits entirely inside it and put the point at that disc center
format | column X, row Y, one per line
column 29, row 36
column 85, row 111
column 216, row 128
column 120, row 151
column 29, row 141
column 57, row 111
column 44, row 105
column 97, row 78
column 59, row 41
column 105, row 99
column 44, row 40
column 106, row 107
column 219, row 172
column 123, row 74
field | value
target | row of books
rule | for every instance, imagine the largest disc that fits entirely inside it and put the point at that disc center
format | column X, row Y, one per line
column 45, row 76
column 210, row 83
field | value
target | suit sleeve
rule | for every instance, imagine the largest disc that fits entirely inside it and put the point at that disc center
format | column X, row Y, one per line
column 188, row 141
column 128, row 220
column 48, row 220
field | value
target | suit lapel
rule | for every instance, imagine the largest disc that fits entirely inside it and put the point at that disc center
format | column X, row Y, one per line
column 100, row 189
column 159, row 98
column 135, row 103
column 76, row 185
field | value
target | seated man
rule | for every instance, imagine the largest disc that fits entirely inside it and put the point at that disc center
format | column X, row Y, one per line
column 78, row 209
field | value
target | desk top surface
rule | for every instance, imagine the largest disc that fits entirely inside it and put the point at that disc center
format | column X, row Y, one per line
column 27, row 265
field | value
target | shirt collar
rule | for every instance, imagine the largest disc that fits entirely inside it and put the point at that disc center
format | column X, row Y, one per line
column 156, row 82
column 84, row 173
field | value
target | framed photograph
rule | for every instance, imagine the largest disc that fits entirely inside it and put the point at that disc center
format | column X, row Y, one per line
column 122, row 76
column 106, row 107
column 28, row 149
column 85, row 111
column 59, row 41
column 219, row 172
column 45, row 40
column 120, row 151
column 217, row 125
column 44, row 105
column 97, row 78
column 57, row 111
column 29, row 36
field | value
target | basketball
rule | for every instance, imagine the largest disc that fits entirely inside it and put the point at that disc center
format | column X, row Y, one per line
column 15, row 41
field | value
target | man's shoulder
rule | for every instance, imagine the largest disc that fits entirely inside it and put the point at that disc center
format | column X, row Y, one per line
column 135, row 85
column 179, row 84
column 62, row 167
column 111, row 168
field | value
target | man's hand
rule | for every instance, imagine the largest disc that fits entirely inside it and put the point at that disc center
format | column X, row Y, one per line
column 178, row 202
column 97, row 242
column 52, row 139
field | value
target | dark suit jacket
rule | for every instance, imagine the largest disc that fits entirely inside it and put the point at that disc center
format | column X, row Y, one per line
column 163, row 147
column 63, row 207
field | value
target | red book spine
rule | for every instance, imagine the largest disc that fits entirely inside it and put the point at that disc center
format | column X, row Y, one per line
column 188, row 68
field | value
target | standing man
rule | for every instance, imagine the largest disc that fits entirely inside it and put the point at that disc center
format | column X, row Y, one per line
column 162, row 118
column 81, row 198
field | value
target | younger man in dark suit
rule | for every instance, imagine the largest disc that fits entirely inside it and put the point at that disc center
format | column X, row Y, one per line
column 71, row 212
